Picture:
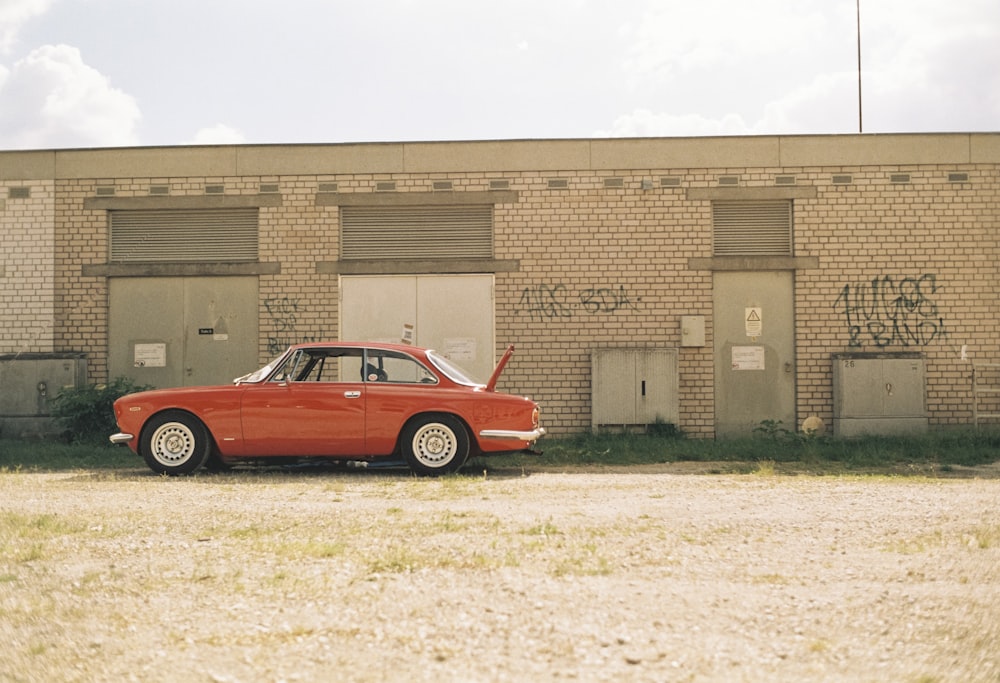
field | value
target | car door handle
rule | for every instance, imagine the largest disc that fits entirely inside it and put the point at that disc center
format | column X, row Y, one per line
column 352, row 394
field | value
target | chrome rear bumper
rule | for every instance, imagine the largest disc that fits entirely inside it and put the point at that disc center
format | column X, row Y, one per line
column 512, row 435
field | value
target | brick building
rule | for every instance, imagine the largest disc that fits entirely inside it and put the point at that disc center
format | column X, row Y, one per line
column 713, row 283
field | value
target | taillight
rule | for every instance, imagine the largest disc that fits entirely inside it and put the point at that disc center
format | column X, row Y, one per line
column 534, row 417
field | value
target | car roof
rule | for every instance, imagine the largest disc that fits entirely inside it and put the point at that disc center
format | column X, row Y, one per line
column 386, row 346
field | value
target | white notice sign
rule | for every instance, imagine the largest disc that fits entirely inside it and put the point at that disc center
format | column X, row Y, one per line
column 753, row 320
column 460, row 348
column 748, row 358
column 150, row 356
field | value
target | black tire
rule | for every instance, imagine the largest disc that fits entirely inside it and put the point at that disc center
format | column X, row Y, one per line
column 174, row 443
column 435, row 444
column 215, row 463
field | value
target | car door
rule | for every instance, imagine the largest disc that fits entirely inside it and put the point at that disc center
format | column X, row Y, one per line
column 397, row 387
column 312, row 406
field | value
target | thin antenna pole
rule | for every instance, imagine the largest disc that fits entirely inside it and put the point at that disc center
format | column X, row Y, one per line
column 858, row 14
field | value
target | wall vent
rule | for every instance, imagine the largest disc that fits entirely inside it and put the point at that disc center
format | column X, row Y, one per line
column 843, row 179
column 443, row 186
column 899, row 178
column 729, row 180
column 385, row 186
column 614, row 182
column 784, row 180
column 327, row 187
column 670, row 181
column 558, row 183
column 105, row 191
column 159, row 189
column 958, row 177
column 752, row 228
column 19, row 192
column 269, row 188
column 215, row 189
column 183, row 235
column 499, row 184
column 416, row 232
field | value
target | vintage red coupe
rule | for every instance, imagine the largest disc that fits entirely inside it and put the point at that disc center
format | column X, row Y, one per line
column 355, row 403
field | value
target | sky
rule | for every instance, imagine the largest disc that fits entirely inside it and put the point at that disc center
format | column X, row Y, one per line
column 108, row 73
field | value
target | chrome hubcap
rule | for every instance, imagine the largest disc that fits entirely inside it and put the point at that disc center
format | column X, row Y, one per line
column 435, row 445
column 173, row 443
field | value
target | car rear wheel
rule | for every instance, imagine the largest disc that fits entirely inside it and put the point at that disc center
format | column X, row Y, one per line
column 435, row 444
column 174, row 443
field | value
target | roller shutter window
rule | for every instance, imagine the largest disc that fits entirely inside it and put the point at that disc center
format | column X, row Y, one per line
column 184, row 235
column 752, row 228
column 416, row 232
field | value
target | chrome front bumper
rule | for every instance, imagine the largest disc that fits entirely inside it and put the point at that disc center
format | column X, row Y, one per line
column 121, row 438
column 533, row 435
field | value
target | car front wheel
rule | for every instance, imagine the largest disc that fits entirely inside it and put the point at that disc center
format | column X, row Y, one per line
column 435, row 444
column 174, row 443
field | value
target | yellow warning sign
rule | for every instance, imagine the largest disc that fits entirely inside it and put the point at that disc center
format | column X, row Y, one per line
column 754, row 322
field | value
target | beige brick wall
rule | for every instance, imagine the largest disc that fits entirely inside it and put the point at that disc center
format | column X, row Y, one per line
column 902, row 266
column 27, row 277
column 298, row 304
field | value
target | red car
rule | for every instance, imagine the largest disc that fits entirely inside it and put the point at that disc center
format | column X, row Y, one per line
column 361, row 403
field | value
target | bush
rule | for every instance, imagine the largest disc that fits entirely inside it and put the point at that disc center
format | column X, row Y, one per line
column 87, row 413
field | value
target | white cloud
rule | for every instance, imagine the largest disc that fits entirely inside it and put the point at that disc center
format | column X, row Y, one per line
column 51, row 98
column 776, row 67
column 13, row 15
column 718, row 34
column 644, row 123
column 219, row 134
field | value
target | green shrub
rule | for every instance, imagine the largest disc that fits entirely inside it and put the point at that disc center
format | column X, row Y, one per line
column 87, row 414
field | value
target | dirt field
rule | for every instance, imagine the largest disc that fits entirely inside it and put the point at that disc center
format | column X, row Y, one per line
column 648, row 575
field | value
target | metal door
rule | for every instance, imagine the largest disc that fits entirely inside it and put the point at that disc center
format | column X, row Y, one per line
column 178, row 331
column 221, row 332
column 754, row 351
column 450, row 313
column 633, row 387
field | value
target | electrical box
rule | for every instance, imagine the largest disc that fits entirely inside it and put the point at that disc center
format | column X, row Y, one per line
column 30, row 382
column 692, row 330
column 634, row 387
column 879, row 393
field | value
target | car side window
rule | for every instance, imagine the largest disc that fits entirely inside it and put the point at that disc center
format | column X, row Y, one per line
column 396, row 368
column 321, row 365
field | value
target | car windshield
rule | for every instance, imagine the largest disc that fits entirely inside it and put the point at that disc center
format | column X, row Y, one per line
column 452, row 371
column 259, row 375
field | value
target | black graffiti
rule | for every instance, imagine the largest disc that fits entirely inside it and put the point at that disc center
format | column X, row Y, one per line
column 892, row 313
column 605, row 300
column 550, row 302
column 277, row 345
column 283, row 313
column 544, row 302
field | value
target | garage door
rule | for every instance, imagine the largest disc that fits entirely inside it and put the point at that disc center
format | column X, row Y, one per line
column 450, row 313
column 182, row 331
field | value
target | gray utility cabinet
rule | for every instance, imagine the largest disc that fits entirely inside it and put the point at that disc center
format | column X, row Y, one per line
column 30, row 382
column 633, row 386
column 879, row 393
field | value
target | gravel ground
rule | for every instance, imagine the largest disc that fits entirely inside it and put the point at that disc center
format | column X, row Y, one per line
column 628, row 575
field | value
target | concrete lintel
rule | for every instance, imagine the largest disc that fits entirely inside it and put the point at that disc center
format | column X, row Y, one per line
column 178, row 269
column 744, row 194
column 235, row 201
column 417, row 266
column 754, row 263
column 415, row 198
